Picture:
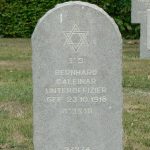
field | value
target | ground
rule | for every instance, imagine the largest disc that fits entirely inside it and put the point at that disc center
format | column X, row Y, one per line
column 16, row 96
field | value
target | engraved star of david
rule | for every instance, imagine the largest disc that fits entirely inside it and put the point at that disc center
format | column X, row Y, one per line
column 76, row 38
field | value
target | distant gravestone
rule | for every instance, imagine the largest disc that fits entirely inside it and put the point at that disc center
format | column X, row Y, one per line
column 148, row 29
column 140, row 15
column 139, row 8
column 77, row 75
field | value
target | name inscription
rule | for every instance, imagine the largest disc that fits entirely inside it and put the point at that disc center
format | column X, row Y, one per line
column 82, row 85
column 76, row 90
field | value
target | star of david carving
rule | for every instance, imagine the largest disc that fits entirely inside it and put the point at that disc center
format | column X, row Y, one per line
column 76, row 38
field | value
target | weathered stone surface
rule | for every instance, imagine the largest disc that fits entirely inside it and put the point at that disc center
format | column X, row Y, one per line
column 144, row 50
column 77, row 75
column 140, row 15
column 148, row 31
column 139, row 9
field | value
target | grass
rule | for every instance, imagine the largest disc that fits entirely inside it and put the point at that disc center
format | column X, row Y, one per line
column 16, row 96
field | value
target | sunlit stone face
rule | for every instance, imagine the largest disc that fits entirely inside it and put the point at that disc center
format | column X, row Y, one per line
column 77, row 76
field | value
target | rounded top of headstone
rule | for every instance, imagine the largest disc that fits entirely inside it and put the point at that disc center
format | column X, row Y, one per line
column 84, row 4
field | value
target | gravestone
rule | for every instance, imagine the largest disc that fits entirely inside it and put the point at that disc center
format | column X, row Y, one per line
column 140, row 15
column 77, row 75
column 139, row 8
column 148, row 29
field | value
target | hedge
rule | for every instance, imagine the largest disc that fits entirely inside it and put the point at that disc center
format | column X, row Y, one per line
column 19, row 17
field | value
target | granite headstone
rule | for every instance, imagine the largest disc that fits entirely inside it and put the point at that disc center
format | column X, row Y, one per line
column 139, row 8
column 140, row 15
column 77, row 79
column 148, row 30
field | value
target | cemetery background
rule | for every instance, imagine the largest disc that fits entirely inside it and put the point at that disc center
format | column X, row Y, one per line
column 16, row 76
column 19, row 17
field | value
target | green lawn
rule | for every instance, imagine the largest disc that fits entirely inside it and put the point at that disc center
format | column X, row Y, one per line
column 16, row 96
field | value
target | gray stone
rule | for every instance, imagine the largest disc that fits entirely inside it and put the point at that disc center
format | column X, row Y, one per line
column 144, row 50
column 140, row 15
column 148, row 31
column 139, row 8
column 77, row 76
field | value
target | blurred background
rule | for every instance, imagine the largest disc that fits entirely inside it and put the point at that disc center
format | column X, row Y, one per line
column 19, row 17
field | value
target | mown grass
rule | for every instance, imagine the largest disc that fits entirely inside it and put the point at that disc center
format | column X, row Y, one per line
column 136, row 83
column 16, row 96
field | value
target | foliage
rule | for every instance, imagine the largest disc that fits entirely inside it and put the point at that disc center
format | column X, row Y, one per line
column 19, row 17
